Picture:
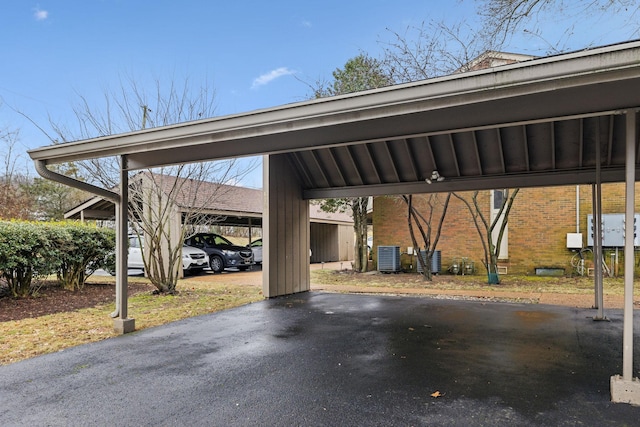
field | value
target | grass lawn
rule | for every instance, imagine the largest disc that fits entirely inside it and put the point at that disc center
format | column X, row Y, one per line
column 25, row 338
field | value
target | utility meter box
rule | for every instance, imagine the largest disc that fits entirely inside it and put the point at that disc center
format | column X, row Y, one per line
column 613, row 230
column 574, row 240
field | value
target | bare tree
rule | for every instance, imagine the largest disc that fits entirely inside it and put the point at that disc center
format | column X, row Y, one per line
column 434, row 49
column 132, row 107
column 429, row 50
column 168, row 208
column 15, row 202
column 505, row 18
column 491, row 241
column 425, row 225
column 167, row 201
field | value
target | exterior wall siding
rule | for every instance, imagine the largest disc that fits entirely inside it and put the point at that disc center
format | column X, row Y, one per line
column 331, row 242
column 324, row 239
column 346, row 242
column 285, row 231
column 538, row 225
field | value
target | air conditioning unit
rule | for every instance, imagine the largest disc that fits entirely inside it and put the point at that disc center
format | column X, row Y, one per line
column 436, row 262
column 389, row 259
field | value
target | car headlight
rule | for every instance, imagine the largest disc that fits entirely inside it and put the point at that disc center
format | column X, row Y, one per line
column 229, row 253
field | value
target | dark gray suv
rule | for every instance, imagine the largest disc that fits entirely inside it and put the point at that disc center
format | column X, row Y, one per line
column 222, row 253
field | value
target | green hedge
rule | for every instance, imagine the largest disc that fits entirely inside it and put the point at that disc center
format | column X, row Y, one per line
column 32, row 250
column 84, row 250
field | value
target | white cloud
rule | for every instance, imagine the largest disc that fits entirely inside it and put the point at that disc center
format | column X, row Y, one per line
column 39, row 14
column 270, row 76
column 306, row 23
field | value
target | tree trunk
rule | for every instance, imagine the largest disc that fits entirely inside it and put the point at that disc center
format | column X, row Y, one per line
column 359, row 211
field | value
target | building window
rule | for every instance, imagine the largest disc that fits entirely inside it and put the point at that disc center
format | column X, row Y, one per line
column 498, row 198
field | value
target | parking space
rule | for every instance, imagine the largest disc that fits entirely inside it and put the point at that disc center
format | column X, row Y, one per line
column 332, row 359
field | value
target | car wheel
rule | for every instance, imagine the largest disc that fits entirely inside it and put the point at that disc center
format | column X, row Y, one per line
column 216, row 264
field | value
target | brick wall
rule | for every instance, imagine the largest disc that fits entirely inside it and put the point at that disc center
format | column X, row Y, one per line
column 538, row 225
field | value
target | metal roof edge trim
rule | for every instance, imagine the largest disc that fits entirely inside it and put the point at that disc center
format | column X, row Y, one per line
column 327, row 111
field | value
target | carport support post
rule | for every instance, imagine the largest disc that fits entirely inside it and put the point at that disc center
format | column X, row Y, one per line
column 122, row 324
column 596, row 191
column 626, row 389
column 597, row 234
column 285, row 230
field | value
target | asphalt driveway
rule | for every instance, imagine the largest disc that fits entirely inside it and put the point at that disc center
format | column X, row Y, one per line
column 318, row 359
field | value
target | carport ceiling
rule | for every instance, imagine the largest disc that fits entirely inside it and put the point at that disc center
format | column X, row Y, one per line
column 535, row 123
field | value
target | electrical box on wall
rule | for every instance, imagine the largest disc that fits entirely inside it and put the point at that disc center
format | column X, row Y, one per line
column 613, row 230
column 574, row 240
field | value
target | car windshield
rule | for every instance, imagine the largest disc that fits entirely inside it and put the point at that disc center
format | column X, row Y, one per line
column 135, row 242
column 214, row 239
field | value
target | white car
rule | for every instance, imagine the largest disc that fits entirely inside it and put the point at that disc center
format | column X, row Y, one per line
column 256, row 248
column 193, row 259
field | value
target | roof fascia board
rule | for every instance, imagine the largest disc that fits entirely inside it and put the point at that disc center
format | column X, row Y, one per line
column 87, row 204
column 221, row 212
column 91, row 214
column 546, row 74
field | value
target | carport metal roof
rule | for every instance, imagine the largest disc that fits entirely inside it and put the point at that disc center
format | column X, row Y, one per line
column 535, row 123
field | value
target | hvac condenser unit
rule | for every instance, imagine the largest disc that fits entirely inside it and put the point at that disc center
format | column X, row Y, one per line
column 389, row 259
column 436, row 262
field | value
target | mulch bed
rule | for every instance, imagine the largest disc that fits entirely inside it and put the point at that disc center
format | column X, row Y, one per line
column 52, row 299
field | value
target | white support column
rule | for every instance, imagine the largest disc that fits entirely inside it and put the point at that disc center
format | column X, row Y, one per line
column 121, row 323
column 597, row 250
column 597, row 234
column 626, row 388
column 285, row 230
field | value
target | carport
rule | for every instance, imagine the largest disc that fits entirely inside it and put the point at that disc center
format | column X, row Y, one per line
column 566, row 119
column 331, row 233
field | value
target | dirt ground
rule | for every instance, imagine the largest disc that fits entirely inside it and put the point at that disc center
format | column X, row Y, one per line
column 564, row 299
column 53, row 299
column 412, row 284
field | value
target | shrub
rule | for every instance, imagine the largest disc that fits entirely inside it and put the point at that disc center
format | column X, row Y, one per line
column 26, row 253
column 30, row 250
column 84, row 249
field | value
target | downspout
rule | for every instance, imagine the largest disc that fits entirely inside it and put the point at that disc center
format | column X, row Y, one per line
column 578, row 209
column 41, row 168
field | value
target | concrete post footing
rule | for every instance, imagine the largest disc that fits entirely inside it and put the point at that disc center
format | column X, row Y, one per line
column 124, row 326
column 625, row 391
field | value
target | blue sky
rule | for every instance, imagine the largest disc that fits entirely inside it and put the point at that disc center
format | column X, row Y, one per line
column 253, row 53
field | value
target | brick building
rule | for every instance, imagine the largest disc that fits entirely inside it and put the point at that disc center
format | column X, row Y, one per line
column 537, row 228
